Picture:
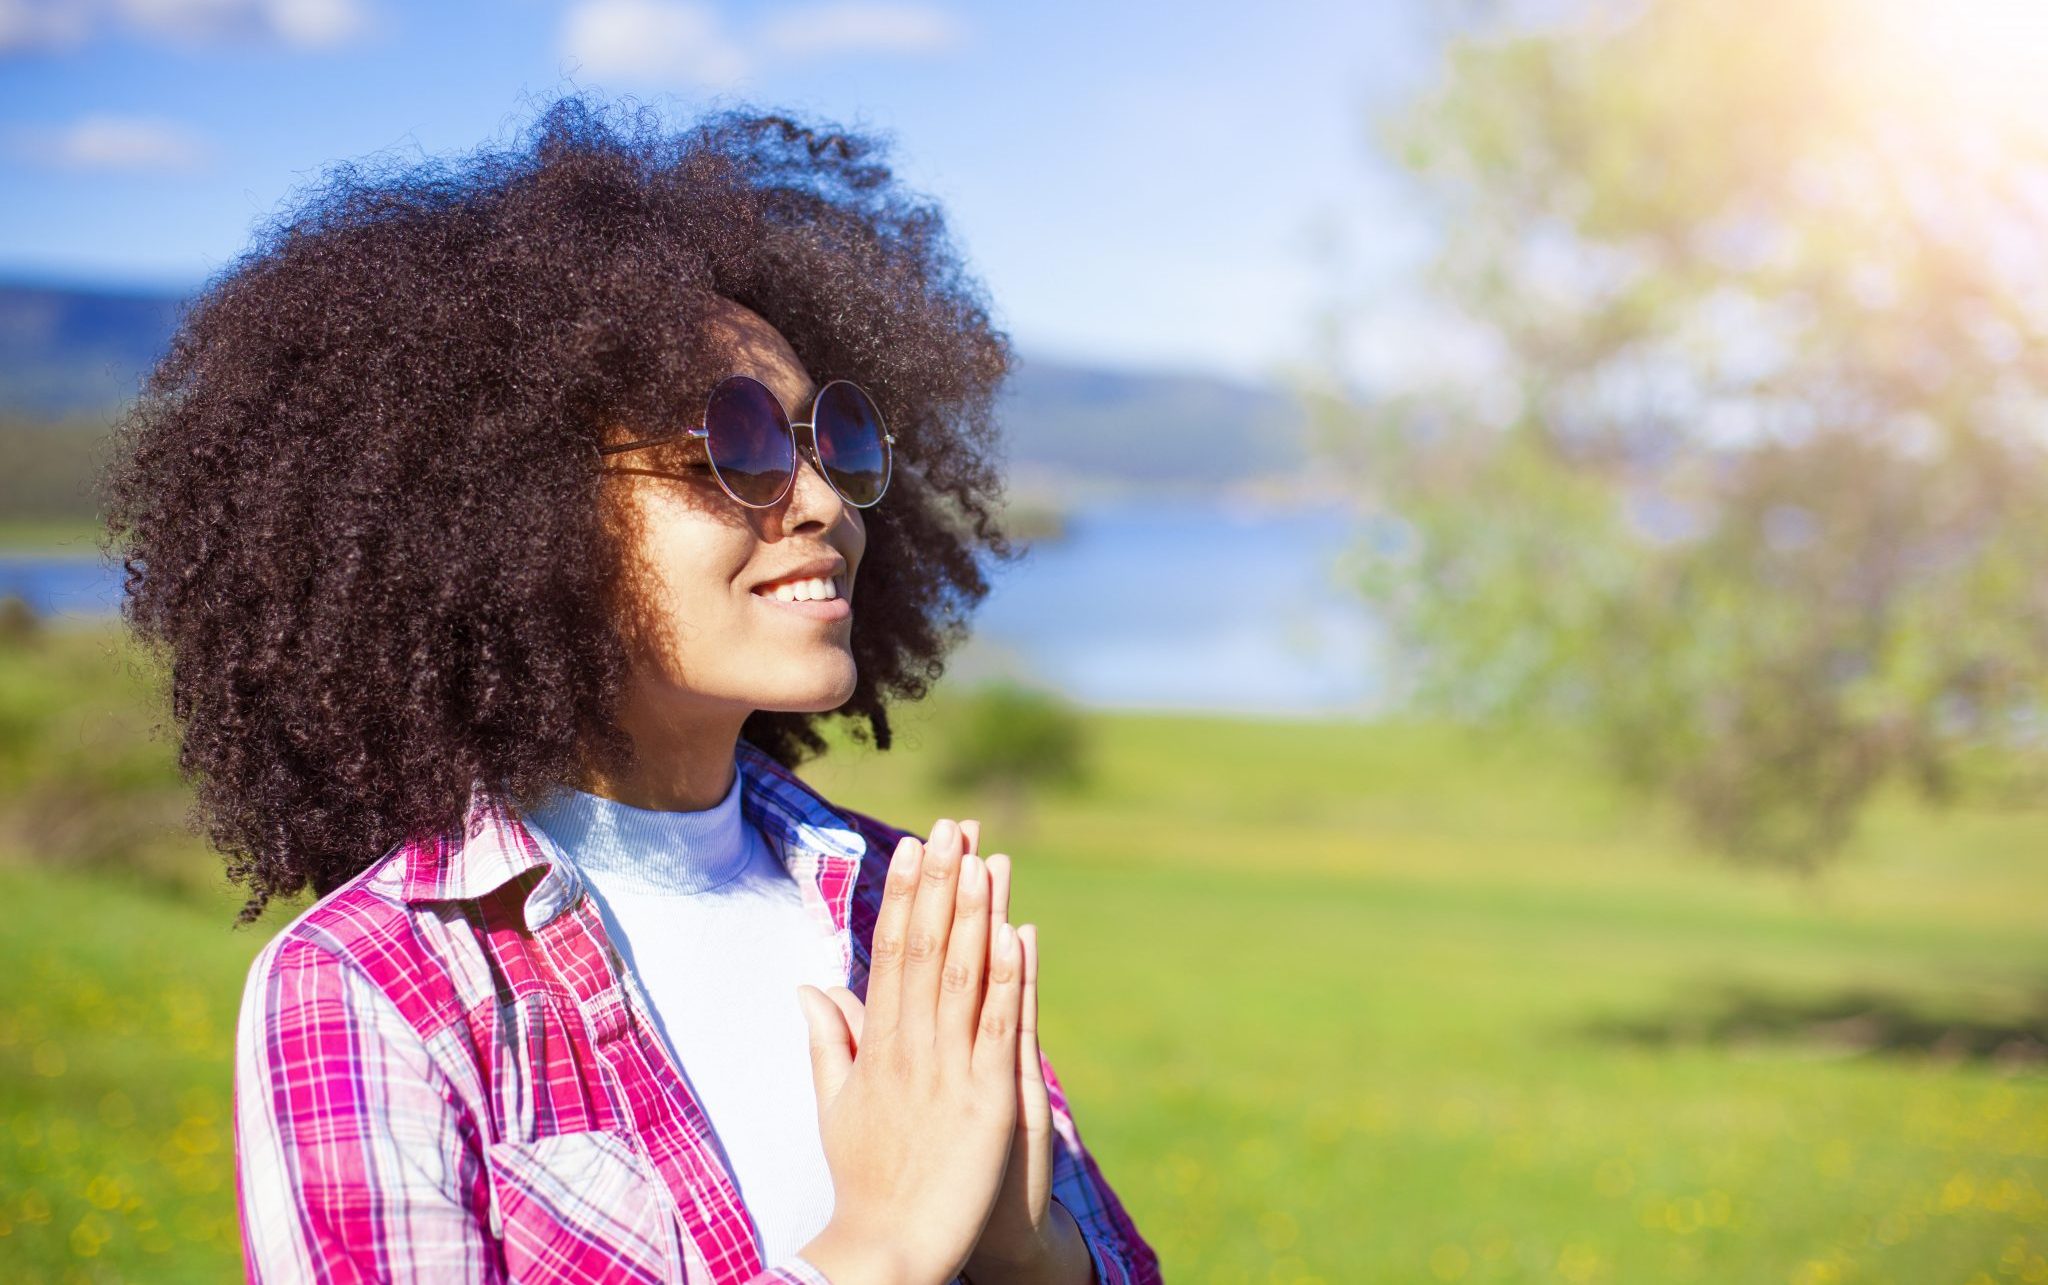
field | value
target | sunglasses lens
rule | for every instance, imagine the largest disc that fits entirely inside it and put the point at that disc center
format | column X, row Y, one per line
column 850, row 443
column 750, row 442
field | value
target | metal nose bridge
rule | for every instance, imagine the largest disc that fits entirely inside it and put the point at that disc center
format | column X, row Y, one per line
column 808, row 441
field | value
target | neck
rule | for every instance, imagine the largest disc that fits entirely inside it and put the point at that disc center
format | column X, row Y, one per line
column 638, row 850
column 683, row 754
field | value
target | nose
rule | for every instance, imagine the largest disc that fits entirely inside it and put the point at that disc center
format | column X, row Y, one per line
column 812, row 500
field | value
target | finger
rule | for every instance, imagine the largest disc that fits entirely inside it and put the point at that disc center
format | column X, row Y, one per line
column 831, row 1045
column 924, row 940
column 999, row 888
column 971, row 831
column 1027, row 940
column 966, row 962
column 1035, row 1109
column 851, row 1009
column 998, row 897
column 995, row 1040
column 892, row 925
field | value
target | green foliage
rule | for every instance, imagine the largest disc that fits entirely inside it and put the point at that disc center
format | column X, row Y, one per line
column 1753, row 484
column 19, row 624
column 1010, row 737
column 86, row 778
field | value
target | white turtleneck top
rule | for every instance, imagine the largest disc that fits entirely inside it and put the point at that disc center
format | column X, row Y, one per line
column 714, row 928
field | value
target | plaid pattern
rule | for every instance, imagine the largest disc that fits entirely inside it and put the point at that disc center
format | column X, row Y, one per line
column 443, row 1072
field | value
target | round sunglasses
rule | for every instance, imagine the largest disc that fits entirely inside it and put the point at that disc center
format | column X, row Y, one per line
column 753, row 444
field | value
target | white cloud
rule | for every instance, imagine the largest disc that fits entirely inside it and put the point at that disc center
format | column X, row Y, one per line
column 317, row 23
column 38, row 24
column 115, row 144
column 688, row 41
column 653, row 39
column 856, row 27
column 30, row 25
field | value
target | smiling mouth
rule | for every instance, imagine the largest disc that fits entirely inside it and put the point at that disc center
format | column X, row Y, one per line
column 818, row 598
column 811, row 589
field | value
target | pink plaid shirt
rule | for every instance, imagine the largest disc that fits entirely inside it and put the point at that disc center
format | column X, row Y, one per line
column 443, row 1072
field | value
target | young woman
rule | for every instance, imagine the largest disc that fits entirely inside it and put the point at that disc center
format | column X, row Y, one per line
column 509, row 525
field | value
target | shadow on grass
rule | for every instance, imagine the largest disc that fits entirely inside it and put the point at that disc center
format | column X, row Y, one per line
column 1857, row 1020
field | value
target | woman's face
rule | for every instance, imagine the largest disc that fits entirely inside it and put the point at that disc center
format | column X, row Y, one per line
column 707, row 642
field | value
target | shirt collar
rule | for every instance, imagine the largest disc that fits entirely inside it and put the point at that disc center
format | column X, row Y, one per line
column 494, row 845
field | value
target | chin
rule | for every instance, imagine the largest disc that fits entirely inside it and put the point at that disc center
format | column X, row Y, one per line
column 817, row 690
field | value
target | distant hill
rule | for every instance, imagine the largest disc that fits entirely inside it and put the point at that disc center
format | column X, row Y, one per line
column 1148, row 428
column 81, row 353
column 77, row 352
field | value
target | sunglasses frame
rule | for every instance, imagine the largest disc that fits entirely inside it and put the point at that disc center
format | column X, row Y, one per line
column 797, row 444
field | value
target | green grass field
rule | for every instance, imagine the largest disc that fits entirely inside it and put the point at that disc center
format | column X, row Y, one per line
column 1333, row 1003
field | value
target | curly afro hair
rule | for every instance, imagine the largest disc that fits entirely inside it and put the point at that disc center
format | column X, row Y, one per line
column 357, row 502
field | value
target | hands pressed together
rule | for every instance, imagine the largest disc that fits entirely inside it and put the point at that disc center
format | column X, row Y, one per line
column 932, row 1103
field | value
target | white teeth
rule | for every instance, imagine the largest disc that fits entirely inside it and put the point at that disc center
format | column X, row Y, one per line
column 812, row 590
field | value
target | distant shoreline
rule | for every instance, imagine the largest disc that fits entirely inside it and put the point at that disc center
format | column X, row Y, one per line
column 50, row 537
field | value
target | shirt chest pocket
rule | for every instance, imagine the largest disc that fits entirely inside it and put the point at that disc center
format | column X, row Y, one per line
column 579, row 1206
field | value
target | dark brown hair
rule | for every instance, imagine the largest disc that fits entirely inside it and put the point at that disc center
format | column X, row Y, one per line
column 357, row 501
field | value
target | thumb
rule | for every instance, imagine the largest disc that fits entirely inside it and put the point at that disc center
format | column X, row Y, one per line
column 856, row 1012
column 831, row 1044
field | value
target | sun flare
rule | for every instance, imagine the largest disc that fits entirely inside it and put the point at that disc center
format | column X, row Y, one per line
column 1983, row 60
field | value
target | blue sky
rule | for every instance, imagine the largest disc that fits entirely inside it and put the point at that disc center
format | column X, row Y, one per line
column 1141, row 184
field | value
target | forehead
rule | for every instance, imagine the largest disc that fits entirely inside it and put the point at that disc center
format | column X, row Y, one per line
column 751, row 346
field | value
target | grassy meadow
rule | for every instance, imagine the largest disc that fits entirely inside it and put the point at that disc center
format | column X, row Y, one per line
column 1335, row 1003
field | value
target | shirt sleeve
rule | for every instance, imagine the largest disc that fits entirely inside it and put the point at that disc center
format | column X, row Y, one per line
column 352, row 1162
column 1121, row 1255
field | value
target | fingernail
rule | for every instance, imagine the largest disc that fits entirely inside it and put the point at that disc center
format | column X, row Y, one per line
column 945, row 832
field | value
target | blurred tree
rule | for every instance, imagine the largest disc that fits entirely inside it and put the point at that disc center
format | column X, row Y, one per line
column 19, row 624
column 87, row 778
column 1007, row 739
column 1746, row 468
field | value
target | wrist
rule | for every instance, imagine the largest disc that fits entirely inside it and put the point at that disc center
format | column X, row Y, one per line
column 1016, row 1265
column 1058, row 1255
column 847, row 1257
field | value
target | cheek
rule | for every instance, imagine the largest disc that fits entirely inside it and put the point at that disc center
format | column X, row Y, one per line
column 686, row 564
column 856, row 545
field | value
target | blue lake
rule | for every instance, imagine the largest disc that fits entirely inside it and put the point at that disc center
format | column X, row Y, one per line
column 61, row 584
column 1191, row 604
